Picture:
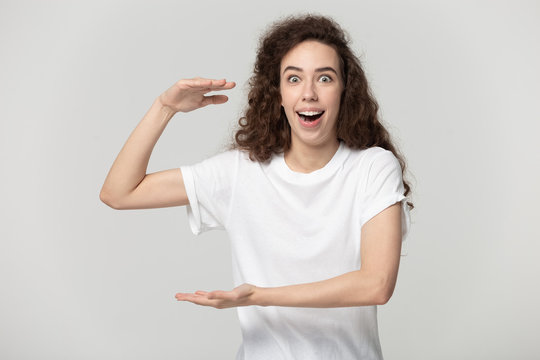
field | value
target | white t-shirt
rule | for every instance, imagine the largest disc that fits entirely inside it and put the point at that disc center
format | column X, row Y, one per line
column 289, row 228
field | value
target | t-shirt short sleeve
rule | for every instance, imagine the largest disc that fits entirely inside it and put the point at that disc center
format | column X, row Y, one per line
column 209, row 186
column 384, row 187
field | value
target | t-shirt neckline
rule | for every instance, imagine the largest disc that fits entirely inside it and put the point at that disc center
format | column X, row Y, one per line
column 330, row 168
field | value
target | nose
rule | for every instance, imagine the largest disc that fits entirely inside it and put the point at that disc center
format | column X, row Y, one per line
column 309, row 91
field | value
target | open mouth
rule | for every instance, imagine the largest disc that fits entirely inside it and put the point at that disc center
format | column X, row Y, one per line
column 310, row 116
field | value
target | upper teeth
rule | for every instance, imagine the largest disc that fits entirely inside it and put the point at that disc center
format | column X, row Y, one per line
column 310, row 113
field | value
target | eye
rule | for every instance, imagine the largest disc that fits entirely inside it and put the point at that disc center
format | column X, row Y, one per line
column 325, row 79
column 293, row 79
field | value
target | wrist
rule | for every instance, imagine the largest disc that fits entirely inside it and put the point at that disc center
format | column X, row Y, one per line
column 258, row 296
column 164, row 108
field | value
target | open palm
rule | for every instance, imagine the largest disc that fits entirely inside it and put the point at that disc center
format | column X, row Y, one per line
column 239, row 296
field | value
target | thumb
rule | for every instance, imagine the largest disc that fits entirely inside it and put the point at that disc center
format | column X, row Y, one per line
column 214, row 100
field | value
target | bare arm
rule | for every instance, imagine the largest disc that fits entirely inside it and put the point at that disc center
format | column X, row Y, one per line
column 127, row 185
column 373, row 284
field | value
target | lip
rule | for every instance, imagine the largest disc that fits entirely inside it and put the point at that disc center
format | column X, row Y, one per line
column 308, row 109
column 309, row 124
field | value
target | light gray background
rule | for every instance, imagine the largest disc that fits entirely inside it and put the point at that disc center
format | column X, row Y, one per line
column 458, row 84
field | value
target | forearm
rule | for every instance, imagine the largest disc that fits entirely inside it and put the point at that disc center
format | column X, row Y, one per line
column 131, row 164
column 373, row 284
column 355, row 288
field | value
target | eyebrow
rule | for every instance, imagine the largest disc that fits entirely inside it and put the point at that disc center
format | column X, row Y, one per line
column 323, row 69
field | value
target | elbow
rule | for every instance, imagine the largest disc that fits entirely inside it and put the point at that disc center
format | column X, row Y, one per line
column 384, row 293
column 383, row 297
column 108, row 200
column 374, row 289
column 383, row 288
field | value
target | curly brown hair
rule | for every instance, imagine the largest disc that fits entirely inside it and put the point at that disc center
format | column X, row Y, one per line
column 264, row 129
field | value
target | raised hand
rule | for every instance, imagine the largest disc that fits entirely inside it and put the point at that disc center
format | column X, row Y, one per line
column 239, row 296
column 190, row 94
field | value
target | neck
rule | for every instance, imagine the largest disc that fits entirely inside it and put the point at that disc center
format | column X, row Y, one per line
column 306, row 159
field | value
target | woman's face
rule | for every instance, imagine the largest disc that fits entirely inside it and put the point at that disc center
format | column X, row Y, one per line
column 311, row 87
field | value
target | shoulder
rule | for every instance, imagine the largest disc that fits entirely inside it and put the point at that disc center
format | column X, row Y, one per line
column 227, row 163
column 225, row 157
column 365, row 159
column 372, row 167
column 370, row 153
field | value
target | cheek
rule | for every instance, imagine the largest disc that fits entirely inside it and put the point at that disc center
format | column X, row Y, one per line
column 286, row 99
column 336, row 100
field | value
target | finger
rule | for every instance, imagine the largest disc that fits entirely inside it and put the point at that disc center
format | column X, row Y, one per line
column 194, row 298
column 222, row 84
column 200, row 82
column 213, row 87
column 183, row 296
column 208, row 89
column 217, row 83
column 211, row 84
column 222, row 295
column 197, row 84
column 214, row 99
column 199, row 300
column 201, row 292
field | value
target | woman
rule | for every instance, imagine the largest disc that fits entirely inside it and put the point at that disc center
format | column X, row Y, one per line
column 311, row 195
